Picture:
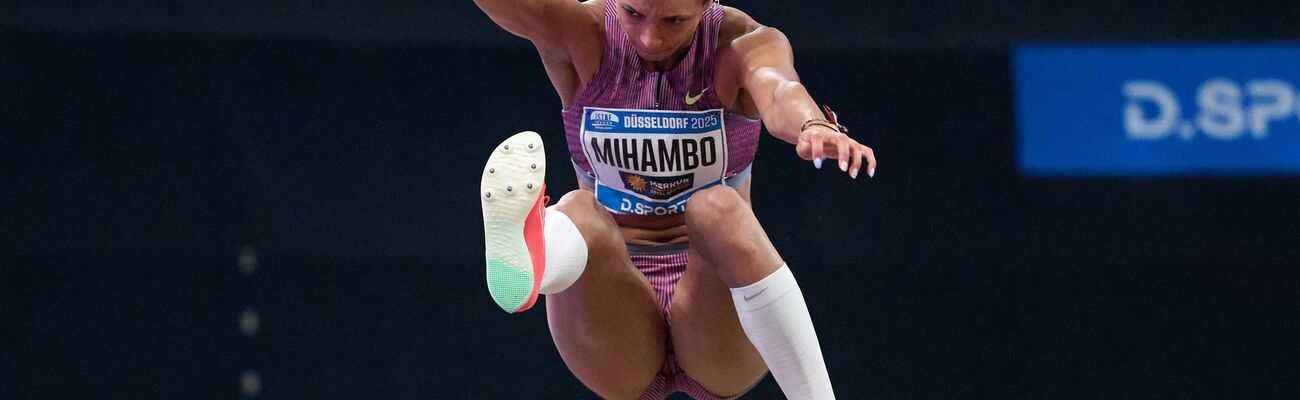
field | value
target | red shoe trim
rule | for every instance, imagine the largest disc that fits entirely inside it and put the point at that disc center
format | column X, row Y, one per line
column 536, row 242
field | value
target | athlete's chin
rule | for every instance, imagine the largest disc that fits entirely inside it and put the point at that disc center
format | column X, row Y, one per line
column 654, row 57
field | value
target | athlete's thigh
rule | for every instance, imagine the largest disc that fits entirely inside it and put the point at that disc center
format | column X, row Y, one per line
column 708, row 342
column 608, row 326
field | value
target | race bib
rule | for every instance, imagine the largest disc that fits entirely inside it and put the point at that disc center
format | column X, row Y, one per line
column 649, row 162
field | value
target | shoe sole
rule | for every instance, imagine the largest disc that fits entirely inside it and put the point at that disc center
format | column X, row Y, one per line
column 513, row 183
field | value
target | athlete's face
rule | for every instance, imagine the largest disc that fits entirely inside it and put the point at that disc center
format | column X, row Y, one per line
column 659, row 28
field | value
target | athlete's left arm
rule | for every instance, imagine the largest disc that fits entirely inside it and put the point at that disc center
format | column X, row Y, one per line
column 767, row 73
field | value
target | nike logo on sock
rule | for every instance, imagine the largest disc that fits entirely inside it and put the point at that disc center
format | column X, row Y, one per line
column 748, row 298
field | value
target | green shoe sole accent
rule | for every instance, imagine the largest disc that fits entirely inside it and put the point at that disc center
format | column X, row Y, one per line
column 509, row 286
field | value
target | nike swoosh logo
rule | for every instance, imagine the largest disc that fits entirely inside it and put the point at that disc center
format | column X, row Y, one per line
column 748, row 298
column 690, row 100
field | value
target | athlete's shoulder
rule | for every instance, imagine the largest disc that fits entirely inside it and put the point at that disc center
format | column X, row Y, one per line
column 740, row 31
column 585, row 15
column 573, row 18
column 588, row 23
column 576, row 31
column 595, row 9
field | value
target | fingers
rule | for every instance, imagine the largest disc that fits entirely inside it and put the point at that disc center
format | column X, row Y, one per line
column 818, row 152
column 844, row 146
column 857, row 160
column 871, row 161
column 849, row 153
column 857, row 155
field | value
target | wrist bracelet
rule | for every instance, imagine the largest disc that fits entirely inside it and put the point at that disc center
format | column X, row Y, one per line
column 832, row 122
column 818, row 121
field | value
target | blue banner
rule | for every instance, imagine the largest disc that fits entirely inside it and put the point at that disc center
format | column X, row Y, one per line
column 621, row 203
column 651, row 121
column 1158, row 110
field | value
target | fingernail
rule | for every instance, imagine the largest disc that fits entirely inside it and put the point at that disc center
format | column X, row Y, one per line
column 817, row 162
column 871, row 173
column 844, row 165
column 853, row 174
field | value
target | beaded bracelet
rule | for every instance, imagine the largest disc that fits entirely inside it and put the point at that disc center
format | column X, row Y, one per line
column 818, row 121
column 832, row 122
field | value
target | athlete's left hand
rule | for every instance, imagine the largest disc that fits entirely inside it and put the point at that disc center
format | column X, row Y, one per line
column 820, row 142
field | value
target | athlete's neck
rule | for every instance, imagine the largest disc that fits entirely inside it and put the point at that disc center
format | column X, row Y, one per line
column 669, row 63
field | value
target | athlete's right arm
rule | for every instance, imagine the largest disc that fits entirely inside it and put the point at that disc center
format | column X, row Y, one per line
column 540, row 21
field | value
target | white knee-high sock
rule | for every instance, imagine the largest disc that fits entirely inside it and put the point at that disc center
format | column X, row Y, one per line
column 566, row 252
column 775, row 318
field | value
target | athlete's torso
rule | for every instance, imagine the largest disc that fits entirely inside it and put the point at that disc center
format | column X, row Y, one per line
column 571, row 67
column 606, row 74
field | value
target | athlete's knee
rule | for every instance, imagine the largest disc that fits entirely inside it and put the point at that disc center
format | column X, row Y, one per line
column 593, row 221
column 713, row 207
column 575, row 199
column 581, row 207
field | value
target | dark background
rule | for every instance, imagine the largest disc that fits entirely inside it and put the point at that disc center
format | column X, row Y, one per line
column 146, row 144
